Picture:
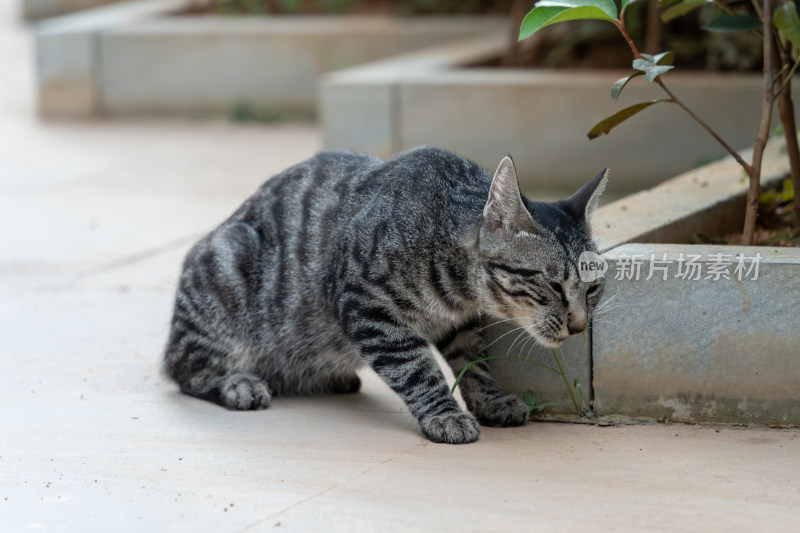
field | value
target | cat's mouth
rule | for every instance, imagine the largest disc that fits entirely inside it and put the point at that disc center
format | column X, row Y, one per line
column 548, row 339
column 549, row 333
column 551, row 341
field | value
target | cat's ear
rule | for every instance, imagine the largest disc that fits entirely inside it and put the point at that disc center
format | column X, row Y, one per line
column 584, row 202
column 504, row 210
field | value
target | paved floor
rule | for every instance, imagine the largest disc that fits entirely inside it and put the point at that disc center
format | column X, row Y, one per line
column 94, row 220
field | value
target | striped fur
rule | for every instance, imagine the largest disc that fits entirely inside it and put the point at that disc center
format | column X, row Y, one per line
column 345, row 260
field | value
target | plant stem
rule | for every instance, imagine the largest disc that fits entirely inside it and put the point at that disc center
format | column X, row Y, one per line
column 751, row 209
column 787, row 78
column 706, row 127
column 759, row 14
column 566, row 383
column 786, row 114
column 621, row 26
column 720, row 4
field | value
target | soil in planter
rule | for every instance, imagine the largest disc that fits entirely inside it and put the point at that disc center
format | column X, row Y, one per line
column 580, row 44
column 350, row 7
column 774, row 224
column 599, row 45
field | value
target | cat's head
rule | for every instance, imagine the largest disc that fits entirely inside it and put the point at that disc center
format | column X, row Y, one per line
column 530, row 255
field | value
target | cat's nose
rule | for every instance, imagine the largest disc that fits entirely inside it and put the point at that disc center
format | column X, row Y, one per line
column 576, row 323
column 574, row 330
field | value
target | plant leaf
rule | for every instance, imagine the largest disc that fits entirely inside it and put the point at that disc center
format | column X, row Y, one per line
column 606, row 6
column 533, row 402
column 788, row 23
column 624, row 4
column 621, row 83
column 677, row 10
column 530, row 398
column 576, row 383
column 733, row 24
column 545, row 15
column 605, row 125
column 653, row 66
column 651, row 71
column 539, row 407
column 664, row 58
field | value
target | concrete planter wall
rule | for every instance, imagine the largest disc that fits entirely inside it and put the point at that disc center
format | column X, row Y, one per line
column 540, row 117
column 724, row 347
column 132, row 58
column 702, row 350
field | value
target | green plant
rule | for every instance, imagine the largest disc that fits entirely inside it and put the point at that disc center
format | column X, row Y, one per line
column 575, row 391
column 400, row 7
column 533, row 402
column 779, row 32
column 576, row 384
column 778, row 197
column 264, row 7
column 250, row 113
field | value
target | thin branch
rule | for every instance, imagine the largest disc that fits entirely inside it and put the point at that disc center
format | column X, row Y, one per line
column 779, row 75
column 621, row 26
column 759, row 12
column 723, row 6
column 706, row 127
column 786, row 113
column 751, row 208
column 787, row 78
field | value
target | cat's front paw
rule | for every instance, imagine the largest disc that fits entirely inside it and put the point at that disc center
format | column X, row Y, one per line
column 503, row 411
column 451, row 428
column 244, row 392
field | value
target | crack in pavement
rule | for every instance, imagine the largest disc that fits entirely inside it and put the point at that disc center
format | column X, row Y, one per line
column 276, row 514
column 135, row 257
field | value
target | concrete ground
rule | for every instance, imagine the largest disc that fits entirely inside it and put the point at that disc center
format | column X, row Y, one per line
column 94, row 220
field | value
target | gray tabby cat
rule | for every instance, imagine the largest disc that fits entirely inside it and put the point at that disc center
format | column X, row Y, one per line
column 346, row 259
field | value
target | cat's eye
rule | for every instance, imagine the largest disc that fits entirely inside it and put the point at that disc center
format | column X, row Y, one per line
column 592, row 289
column 557, row 289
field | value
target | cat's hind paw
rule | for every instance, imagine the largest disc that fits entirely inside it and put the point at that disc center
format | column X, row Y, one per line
column 503, row 411
column 451, row 428
column 244, row 392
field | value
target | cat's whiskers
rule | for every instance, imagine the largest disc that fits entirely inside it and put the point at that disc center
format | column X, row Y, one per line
column 531, row 338
column 610, row 304
column 529, row 330
column 536, row 342
column 605, row 321
column 520, row 335
column 503, row 335
column 604, row 310
column 607, row 301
